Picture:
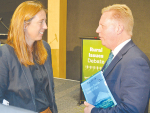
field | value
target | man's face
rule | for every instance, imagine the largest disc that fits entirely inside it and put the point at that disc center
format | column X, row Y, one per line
column 106, row 30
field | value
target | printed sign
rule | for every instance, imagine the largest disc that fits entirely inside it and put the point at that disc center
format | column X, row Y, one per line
column 94, row 56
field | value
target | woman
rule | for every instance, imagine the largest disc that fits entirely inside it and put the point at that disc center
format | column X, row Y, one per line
column 26, row 77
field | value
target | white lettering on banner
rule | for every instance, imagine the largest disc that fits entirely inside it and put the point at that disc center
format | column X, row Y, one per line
column 93, row 67
column 95, row 61
column 96, row 55
column 96, row 50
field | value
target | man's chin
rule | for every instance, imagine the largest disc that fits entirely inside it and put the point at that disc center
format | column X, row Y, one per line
column 103, row 43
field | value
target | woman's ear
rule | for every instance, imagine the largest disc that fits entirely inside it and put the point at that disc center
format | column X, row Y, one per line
column 25, row 25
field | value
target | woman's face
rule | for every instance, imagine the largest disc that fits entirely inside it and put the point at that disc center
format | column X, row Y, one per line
column 35, row 29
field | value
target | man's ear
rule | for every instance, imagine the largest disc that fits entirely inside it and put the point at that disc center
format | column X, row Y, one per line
column 119, row 29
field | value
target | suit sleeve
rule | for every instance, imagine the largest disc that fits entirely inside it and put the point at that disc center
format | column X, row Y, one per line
column 134, row 89
column 3, row 75
column 51, row 77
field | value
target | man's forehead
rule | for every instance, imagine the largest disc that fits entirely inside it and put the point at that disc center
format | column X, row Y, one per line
column 105, row 17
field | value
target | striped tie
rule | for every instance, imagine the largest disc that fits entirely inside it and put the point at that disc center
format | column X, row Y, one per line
column 108, row 61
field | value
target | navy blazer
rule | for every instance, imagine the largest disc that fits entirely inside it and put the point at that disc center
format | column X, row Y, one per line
column 128, row 77
column 16, row 82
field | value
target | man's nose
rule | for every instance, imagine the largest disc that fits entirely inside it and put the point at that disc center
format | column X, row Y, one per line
column 98, row 29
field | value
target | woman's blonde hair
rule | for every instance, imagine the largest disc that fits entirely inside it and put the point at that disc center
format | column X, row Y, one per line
column 16, row 36
column 122, row 13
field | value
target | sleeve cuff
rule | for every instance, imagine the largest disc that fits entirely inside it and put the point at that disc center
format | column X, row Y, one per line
column 95, row 110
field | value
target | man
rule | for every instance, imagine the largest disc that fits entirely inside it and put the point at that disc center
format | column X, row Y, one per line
column 128, row 74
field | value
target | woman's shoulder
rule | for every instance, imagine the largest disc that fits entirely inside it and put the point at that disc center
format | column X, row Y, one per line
column 5, row 53
column 6, row 48
column 46, row 45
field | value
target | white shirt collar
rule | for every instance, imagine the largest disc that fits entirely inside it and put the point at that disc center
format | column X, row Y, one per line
column 119, row 47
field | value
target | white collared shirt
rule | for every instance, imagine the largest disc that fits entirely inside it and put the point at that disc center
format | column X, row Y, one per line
column 119, row 47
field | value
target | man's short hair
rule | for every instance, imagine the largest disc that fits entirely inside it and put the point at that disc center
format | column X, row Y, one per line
column 122, row 13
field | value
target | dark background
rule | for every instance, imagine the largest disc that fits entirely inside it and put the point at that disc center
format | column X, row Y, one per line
column 83, row 18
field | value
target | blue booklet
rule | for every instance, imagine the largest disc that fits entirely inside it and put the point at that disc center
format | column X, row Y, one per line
column 96, row 91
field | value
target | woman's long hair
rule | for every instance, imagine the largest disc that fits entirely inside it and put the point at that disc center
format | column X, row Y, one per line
column 16, row 36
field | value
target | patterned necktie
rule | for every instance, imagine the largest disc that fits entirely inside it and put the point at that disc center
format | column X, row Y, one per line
column 108, row 61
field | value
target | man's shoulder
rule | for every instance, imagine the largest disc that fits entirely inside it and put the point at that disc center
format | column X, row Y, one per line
column 134, row 53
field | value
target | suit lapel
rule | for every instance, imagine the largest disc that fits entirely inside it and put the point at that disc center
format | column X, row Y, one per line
column 46, row 65
column 118, row 57
column 29, row 79
column 112, row 64
column 25, row 70
column 48, row 70
column 26, row 73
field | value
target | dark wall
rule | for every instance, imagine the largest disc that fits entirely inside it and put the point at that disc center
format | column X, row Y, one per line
column 82, row 20
column 7, row 7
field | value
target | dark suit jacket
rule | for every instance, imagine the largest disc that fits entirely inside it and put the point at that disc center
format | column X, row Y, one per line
column 16, row 82
column 128, row 77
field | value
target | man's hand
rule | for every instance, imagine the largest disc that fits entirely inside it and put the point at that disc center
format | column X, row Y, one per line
column 88, row 107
